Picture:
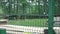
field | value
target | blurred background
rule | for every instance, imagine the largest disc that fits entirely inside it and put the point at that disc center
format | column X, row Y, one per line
column 27, row 12
column 19, row 13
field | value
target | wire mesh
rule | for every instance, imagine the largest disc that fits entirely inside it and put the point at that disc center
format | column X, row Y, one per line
column 28, row 16
column 57, row 16
column 25, row 16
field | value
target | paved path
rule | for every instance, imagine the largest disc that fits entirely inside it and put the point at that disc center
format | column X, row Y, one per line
column 21, row 29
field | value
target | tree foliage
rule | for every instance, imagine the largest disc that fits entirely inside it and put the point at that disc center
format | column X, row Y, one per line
column 28, row 7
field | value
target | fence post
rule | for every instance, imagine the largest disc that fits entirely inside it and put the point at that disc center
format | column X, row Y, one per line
column 2, row 31
column 51, row 16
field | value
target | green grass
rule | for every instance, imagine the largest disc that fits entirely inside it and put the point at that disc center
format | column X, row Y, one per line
column 29, row 22
column 1, row 12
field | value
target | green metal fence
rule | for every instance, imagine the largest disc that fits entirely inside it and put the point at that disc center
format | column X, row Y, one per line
column 2, row 31
column 32, row 13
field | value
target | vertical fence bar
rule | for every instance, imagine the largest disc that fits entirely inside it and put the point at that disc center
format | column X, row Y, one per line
column 2, row 31
column 51, row 16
